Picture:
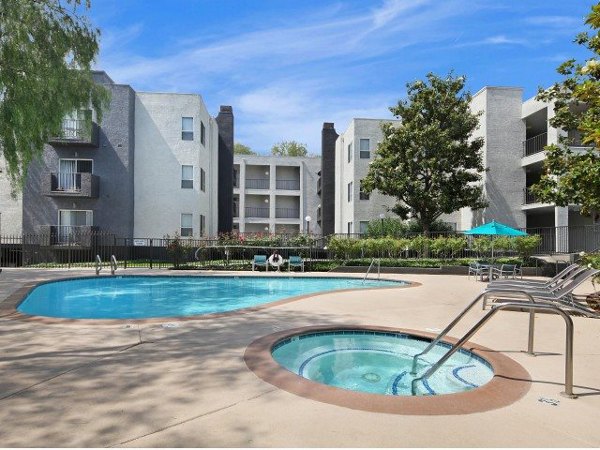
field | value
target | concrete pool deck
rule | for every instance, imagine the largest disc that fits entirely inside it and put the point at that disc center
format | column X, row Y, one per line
column 185, row 383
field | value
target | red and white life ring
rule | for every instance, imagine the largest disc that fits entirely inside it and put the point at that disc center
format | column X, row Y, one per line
column 276, row 263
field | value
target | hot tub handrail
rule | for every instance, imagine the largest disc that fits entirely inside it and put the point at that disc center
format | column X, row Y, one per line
column 458, row 318
column 98, row 264
column 532, row 308
column 371, row 266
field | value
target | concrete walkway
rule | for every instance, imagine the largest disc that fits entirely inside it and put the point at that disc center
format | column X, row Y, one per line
column 187, row 385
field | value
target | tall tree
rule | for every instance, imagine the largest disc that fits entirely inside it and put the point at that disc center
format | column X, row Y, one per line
column 430, row 162
column 289, row 148
column 46, row 51
column 574, row 177
column 241, row 149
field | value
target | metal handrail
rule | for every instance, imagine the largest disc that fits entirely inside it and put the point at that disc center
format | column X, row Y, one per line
column 532, row 308
column 457, row 319
column 98, row 264
column 369, row 269
column 113, row 264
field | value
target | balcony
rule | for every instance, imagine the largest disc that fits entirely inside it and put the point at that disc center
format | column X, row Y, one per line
column 529, row 198
column 535, row 144
column 59, row 235
column 319, row 186
column 287, row 213
column 257, row 183
column 83, row 185
column 77, row 132
column 256, row 212
column 289, row 185
column 236, row 211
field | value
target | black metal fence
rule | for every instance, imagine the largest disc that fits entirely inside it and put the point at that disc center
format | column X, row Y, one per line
column 80, row 249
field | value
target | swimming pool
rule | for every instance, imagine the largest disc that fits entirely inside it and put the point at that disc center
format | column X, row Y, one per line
column 137, row 297
column 378, row 362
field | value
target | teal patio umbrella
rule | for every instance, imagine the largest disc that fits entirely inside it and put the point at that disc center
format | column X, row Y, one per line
column 495, row 229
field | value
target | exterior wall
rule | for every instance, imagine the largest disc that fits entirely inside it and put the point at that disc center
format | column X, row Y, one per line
column 328, row 174
column 270, row 169
column 503, row 149
column 354, row 171
column 11, row 209
column 225, row 125
column 112, row 163
column 160, row 153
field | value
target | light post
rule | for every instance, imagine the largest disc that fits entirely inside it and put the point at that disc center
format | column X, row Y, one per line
column 308, row 219
column 382, row 216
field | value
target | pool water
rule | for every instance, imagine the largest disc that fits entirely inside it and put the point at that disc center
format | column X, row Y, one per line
column 135, row 297
column 379, row 362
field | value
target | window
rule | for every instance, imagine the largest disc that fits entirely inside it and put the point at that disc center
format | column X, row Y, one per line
column 350, row 152
column 350, row 191
column 187, row 177
column 363, row 195
column 187, row 227
column 365, row 149
column 202, row 225
column 71, row 223
column 349, row 227
column 364, row 226
column 69, row 173
column 187, row 128
column 202, row 133
column 202, row 180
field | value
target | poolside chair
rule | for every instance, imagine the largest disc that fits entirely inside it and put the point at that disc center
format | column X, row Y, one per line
column 295, row 261
column 560, row 295
column 477, row 269
column 505, row 270
column 567, row 273
column 260, row 260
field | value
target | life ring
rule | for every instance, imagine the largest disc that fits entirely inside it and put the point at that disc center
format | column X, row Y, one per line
column 277, row 263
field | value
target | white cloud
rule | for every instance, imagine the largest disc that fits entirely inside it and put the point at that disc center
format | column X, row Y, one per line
column 555, row 21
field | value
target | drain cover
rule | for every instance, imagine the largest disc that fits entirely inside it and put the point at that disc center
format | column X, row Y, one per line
column 371, row 377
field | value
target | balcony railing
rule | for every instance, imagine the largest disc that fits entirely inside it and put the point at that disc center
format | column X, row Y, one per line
column 287, row 213
column 528, row 197
column 256, row 212
column 290, row 185
column 77, row 132
column 71, row 184
column 257, row 183
column 82, row 236
column 535, row 144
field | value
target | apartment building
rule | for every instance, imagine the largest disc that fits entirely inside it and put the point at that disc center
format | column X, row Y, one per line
column 176, row 166
column 274, row 194
column 84, row 180
column 151, row 168
column 515, row 134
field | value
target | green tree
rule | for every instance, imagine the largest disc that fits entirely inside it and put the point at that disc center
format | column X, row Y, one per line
column 574, row 177
column 289, row 148
column 241, row 149
column 46, row 51
column 430, row 162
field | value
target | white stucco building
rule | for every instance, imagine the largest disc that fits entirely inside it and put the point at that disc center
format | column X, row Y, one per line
column 274, row 194
column 514, row 132
column 176, row 166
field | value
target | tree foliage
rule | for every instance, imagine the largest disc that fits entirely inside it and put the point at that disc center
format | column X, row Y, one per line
column 46, row 51
column 573, row 177
column 430, row 162
column 241, row 149
column 289, row 148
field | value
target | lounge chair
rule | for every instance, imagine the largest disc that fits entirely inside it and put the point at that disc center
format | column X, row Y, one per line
column 560, row 294
column 477, row 269
column 505, row 270
column 295, row 261
column 260, row 260
column 567, row 273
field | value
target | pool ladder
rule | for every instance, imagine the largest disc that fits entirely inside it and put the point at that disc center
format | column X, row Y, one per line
column 113, row 264
column 371, row 266
column 530, row 305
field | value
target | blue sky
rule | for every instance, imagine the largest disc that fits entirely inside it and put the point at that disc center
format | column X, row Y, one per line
column 288, row 66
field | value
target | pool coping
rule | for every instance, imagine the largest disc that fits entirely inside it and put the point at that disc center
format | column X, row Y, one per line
column 8, row 307
column 510, row 382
